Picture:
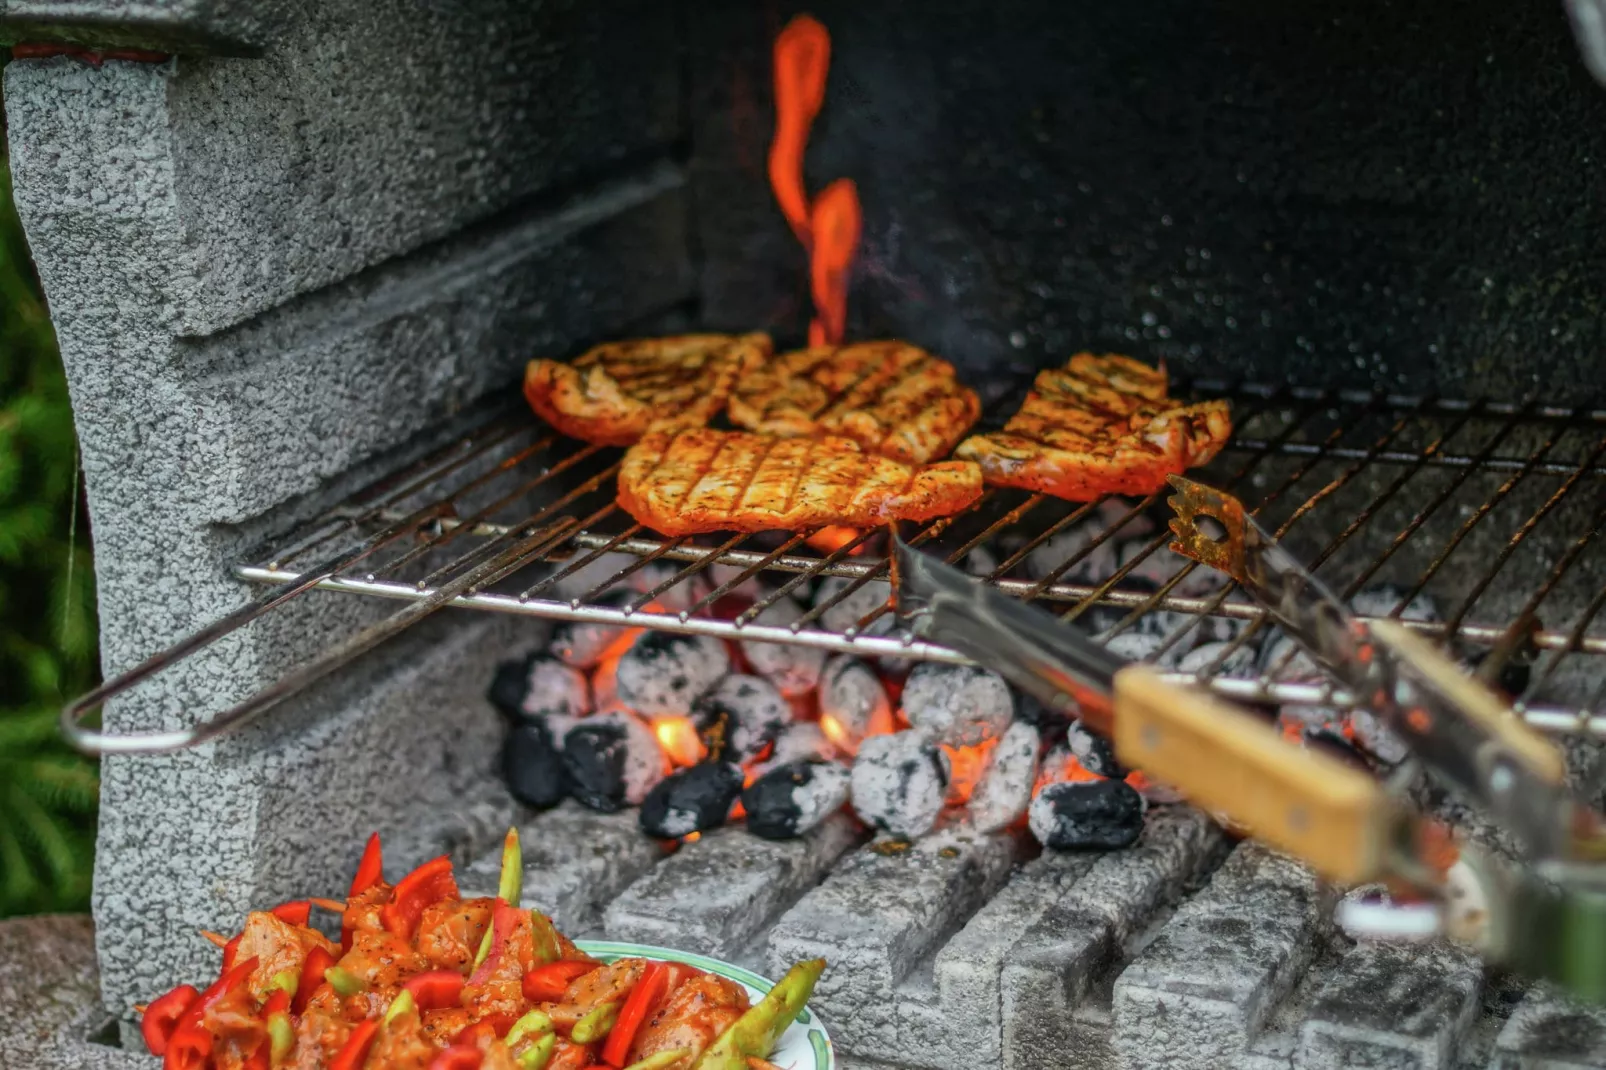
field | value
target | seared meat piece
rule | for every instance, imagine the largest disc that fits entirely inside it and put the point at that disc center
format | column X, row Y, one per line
column 891, row 398
column 694, row 1015
column 611, row 394
column 1099, row 425
column 277, row 946
column 382, row 961
column 684, row 481
column 450, row 931
column 403, row 1045
column 591, row 990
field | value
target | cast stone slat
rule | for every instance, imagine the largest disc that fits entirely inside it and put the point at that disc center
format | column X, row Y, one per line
column 878, row 917
column 1549, row 1032
column 1079, row 932
column 575, row 861
column 1390, row 1005
column 1202, row 990
column 716, row 896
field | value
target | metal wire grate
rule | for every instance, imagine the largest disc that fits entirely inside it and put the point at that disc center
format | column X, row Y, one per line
column 1491, row 508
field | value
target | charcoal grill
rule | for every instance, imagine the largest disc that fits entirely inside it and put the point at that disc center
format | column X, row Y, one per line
column 292, row 333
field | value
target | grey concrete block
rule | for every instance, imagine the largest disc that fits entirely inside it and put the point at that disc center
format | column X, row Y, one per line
column 50, row 998
column 576, row 861
column 882, row 914
column 1061, row 954
column 1393, row 1006
column 1199, row 993
column 1550, row 1032
column 717, row 895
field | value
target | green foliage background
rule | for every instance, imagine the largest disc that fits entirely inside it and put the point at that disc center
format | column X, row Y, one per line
column 47, row 603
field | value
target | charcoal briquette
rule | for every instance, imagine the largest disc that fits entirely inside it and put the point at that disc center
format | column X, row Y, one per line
column 663, row 673
column 533, row 766
column 1377, row 738
column 1086, row 814
column 1050, row 721
column 540, row 685
column 1240, row 662
column 855, row 606
column 1280, row 646
column 749, row 588
column 900, row 782
column 612, row 761
column 1093, row 752
column 791, row 667
column 854, row 698
column 1094, row 566
column 740, row 717
column 581, row 643
column 960, row 705
column 798, row 741
column 1157, row 566
column 690, row 800
column 1335, row 745
column 794, row 797
column 1380, row 600
column 1005, row 790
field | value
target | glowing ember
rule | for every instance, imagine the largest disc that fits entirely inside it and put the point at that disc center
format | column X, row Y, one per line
column 1053, row 772
column 967, row 765
column 678, row 737
column 829, row 228
column 829, row 540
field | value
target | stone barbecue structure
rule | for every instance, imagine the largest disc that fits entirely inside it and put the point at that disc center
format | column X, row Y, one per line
column 297, row 255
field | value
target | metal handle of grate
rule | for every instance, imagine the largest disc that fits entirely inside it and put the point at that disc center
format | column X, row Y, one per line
column 472, row 524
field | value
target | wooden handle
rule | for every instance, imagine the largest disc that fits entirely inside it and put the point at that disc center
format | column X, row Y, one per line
column 1332, row 817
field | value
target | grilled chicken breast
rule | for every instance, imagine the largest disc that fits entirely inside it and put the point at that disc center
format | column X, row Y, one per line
column 891, row 398
column 1099, row 425
column 610, row 394
column 680, row 481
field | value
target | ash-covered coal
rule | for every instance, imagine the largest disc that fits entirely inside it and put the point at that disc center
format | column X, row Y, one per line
column 532, row 765
column 740, row 717
column 690, row 800
column 1092, row 563
column 582, row 643
column 793, row 798
column 1239, row 662
column 960, row 705
column 612, row 761
column 854, row 607
column 797, row 741
column 663, row 673
column 853, row 703
column 1095, row 753
column 900, row 782
column 1086, row 814
column 539, row 685
column 794, row 669
column 1005, row 790
column 1383, row 599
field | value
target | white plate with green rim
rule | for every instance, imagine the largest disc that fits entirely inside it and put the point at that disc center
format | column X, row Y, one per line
column 804, row 1046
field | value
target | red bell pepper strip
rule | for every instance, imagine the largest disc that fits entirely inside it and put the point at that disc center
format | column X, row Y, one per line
column 458, row 1057
column 504, row 919
column 354, row 1052
column 423, row 886
column 370, row 871
column 229, row 951
column 156, row 1025
column 296, row 912
column 639, row 1005
column 482, row 1032
column 318, row 960
column 259, row 1058
column 191, row 1044
column 546, row 984
column 436, row 989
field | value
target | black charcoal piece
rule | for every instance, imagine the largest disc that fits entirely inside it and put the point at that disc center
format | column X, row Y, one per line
column 1381, row 599
column 740, row 717
column 793, row 798
column 853, row 703
column 1515, row 675
column 612, row 761
column 1092, row 566
column 1006, row 788
column 663, row 673
column 1086, row 814
column 1376, row 738
column 794, row 669
column 539, row 686
column 691, row 800
column 960, row 705
column 581, row 643
column 1326, row 741
column 1050, row 721
column 533, row 766
column 900, row 782
column 1094, row 753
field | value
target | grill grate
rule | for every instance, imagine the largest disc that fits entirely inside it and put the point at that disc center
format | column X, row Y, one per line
column 1467, row 501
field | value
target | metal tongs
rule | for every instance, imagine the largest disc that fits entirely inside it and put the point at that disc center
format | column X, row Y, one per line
column 1346, row 825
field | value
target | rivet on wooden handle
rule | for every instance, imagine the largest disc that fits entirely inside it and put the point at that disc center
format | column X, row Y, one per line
column 1332, row 817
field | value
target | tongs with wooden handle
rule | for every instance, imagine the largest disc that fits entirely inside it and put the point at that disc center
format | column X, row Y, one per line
column 1334, row 817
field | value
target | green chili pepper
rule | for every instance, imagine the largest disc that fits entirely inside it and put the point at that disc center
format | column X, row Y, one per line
column 281, row 1038
column 402, row 1004
column 344, row 982
column 595, row 1025
column 534, row 1022
column 536, row 1056
column 661, row 1060
column 757, row 1031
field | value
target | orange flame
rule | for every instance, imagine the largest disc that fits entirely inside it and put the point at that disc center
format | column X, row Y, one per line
column 802, row 58
column 967, row 765
column 831, row 539
column 829, row 228
column 837, row 222
column 678, row 737
column 1068, row 770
